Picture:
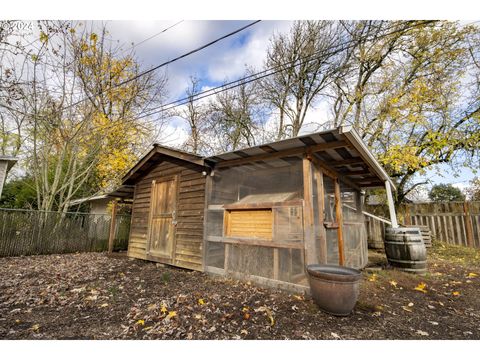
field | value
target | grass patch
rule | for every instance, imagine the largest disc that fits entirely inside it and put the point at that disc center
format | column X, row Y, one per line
column 454, row 253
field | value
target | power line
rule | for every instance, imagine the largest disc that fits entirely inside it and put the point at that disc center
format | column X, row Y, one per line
column 155, row 35
column 254, row 77
column 167, row 62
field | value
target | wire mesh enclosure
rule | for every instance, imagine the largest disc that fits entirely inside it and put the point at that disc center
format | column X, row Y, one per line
column 255, row 222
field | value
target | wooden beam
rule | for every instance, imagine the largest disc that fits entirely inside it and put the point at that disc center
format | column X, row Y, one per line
column 339, row 215
column 282, row 153
column 352, row 161
column 111, row 237
column 322, row 246
column 334, row 174
column 308, row 217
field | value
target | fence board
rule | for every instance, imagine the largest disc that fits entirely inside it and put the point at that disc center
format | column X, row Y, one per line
column 27, row 232
column 450, row 222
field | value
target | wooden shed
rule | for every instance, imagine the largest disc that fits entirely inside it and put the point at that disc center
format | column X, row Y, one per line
column 261, row 213
column 168, row 208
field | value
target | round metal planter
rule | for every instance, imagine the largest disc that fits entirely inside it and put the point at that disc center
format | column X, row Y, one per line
column 334, row 288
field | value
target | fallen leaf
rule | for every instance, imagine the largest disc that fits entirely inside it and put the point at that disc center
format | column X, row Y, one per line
column 91, row 298
column 407, row 309
column 472, row 275
column 104, row 305
column 456, row 293
column 151, row 307
column 268, row 312
column 163, row 310
column 393, row 283
column 147, row 328
column 201, row 302
column 422, row 333
column 35, row 327
column 335, row 335
column 244, row 332
column 171, row 314
column 246, row 316
column 410, row 304
column 372, row 277
column 141, row 322
column 298, row 297
column 421, row 287
column 198, row 316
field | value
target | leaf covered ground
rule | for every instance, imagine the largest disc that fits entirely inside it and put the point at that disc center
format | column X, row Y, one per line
column 93, row 296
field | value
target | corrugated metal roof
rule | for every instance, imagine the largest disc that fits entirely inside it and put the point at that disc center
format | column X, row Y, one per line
column 340, row 149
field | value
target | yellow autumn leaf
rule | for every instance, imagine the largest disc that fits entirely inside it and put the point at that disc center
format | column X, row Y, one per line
column 141, row 322
column 298, row 297
column 421, row 287
column 104, row 305
column 472, row 275
column 201, row 302
column 393, row 283
column 35, row 327
column 163, row 310
column 406, row 309
column 245, row 308
column 171, row 314
column 147, row 328
column 456, row 293
column 373, row 277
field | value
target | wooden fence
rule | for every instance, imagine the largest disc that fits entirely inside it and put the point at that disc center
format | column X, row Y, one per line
column 451, row 222
column 29, row 232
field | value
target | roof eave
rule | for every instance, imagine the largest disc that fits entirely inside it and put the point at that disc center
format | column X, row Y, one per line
column 354, row 138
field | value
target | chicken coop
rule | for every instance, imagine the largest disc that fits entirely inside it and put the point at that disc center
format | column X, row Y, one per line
column 261, row 213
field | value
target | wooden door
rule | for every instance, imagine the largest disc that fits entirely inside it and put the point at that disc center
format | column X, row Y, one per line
column 161, row 234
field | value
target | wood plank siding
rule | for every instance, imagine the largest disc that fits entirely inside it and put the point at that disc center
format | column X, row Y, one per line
column 189, row 214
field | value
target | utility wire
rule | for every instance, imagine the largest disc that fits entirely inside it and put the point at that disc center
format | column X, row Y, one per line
column 167, row 62
column 256, row 76
column 155, row 35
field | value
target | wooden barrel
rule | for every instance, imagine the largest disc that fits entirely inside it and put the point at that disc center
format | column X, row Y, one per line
column 426, row 234
column 405, row 249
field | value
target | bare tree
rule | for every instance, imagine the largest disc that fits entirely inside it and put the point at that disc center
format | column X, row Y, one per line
column 236, row 117
column 312, row 50
column 195, row 114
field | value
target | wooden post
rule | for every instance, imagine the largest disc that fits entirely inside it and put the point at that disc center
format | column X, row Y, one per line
column 468, row 224
column 322, row 246
column 339, row 215
column 407, row 220
column 308, row 221
column 391, row 205
column 111, row 237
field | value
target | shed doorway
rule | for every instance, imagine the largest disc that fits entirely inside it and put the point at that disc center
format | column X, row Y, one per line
column 162, row 222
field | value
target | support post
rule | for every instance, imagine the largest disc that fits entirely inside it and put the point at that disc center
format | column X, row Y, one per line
column 468, row 224
column 111, row 237
column 308, row 220
column 322, row 244
column 339, row 215
column 391, row 205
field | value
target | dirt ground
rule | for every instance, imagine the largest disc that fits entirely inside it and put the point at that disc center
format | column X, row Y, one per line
column 92, row 296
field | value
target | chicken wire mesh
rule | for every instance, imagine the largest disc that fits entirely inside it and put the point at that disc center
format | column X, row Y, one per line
column 277, row 254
